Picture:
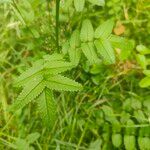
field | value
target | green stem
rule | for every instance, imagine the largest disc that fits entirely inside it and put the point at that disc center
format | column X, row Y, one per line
column 4, row 102
column 57, row 24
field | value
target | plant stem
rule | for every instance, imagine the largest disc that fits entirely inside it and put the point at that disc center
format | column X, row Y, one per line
column 4, row 102
column 57, row 24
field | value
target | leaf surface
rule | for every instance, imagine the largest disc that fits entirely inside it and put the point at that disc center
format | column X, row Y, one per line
column 29, row 93
column 106, row 51
column 55, row 67
column 89, row 51
column 29, row 74
column 105, row 29
column 87, row 31
column 60, row 83
column 79, row 5
column 47, row 107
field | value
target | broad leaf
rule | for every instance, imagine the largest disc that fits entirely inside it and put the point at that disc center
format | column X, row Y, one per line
column 106, row 51
column 104, row 30
column 87, row 31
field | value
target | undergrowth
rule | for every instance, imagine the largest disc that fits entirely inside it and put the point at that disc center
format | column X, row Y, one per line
column 74, row 74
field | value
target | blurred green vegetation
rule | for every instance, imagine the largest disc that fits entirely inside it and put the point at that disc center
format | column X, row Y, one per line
column 111, row 112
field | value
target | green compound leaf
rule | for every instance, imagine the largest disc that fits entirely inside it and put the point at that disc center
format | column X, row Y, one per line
column 106, row 51
column 39, row 80
column 89, row 51
column 47, row 67
column 61, row 83
column 29, row 93
column 87, row 31
column 47, row 107
column 105, row 29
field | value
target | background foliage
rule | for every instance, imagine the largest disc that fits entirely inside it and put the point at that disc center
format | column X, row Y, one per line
column 112, row 111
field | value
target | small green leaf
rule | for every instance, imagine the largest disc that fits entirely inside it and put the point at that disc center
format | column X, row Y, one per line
column 144, row 143
column 145, row 82
column 74, row 50
column 105, row 29
column 139, row 115
column 146, row 72
column 87, row 31
column 130, row 130
column 89, row 51
column 95, row 145
column 106, row 51
column 143, row 49
column 141, row 59
column 79, row 5
column 74, row 55
column 129, row 142
column 117, row 139
column 75, row 39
